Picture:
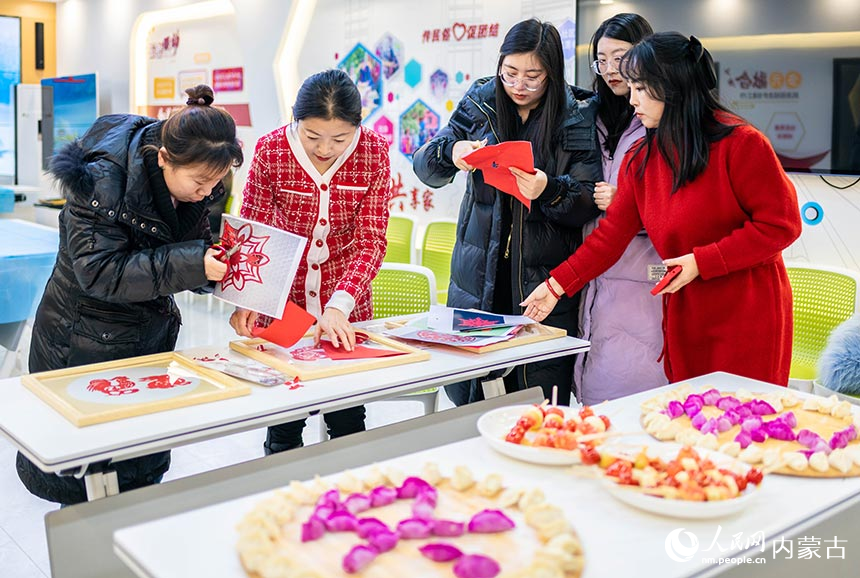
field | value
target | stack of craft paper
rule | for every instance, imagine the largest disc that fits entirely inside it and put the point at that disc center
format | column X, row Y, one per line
column 462, row 327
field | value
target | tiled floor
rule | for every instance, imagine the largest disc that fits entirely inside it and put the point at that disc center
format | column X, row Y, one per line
column 23, row 549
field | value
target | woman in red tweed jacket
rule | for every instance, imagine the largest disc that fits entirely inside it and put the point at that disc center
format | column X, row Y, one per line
column 326, row 178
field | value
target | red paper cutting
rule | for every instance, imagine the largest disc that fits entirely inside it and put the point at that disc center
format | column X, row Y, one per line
column 244, row 265
column 287, row 330
column 495, row 161
column 358, row 352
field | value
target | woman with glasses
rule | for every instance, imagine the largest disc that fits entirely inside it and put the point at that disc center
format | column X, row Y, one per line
column 618, row 315
column 503, row 250
column 711, row 193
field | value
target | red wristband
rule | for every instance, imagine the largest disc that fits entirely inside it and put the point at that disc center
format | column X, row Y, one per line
column 551, row 290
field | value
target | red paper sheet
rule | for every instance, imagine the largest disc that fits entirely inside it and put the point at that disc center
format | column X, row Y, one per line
column 358, row 352
column 287, row 330
column 496, row 160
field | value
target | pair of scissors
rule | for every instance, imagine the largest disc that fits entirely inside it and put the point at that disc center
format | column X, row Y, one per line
column 225, row 254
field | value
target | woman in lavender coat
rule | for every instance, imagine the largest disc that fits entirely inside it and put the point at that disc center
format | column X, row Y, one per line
column 618, row 314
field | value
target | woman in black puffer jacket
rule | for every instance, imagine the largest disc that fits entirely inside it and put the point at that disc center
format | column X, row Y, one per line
column 133, row 232
column 503, row 251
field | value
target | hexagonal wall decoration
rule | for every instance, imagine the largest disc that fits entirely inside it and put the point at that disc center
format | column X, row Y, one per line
column 412, row 73
column 439, row 83
column 385, row 128
column 785, row 131
column 365, row 69
column 390, row 51
column 418, row 124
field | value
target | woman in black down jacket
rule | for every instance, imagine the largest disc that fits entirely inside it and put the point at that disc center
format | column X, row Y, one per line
column 503, row 250
column 134, row 231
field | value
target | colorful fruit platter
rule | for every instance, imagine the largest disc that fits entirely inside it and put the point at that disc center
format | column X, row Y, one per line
column 678, row 481
column 390, row 524
column 544, row 433
column 777, row 431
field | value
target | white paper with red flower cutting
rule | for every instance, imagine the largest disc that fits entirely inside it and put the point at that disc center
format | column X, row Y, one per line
column 260, row 273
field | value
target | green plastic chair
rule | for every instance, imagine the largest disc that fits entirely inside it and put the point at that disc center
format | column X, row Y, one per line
column 824, row 297
column 401, row 289
column 436, row 251
column 400, row 235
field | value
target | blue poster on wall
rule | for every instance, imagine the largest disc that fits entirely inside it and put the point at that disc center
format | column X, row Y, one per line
column 76, row 106
column 10, row 75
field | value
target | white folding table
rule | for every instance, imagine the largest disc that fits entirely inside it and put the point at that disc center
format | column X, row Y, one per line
column 55, row 445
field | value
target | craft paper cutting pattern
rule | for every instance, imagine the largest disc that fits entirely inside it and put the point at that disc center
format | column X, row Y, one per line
column 261, row 272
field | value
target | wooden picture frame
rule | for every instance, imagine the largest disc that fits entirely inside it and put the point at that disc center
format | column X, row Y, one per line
column 281, row 358
column 95, row 393
column 532, row 333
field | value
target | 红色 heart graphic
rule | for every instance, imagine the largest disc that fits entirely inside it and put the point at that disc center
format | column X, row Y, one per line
column 458, row 30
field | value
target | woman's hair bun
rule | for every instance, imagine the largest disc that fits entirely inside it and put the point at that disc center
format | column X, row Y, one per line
column 200, row 95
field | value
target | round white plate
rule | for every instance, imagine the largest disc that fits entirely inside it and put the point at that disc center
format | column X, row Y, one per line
column 686, row 508
column 495, row 425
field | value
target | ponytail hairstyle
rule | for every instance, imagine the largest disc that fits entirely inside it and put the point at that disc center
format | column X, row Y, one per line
column 615, row 111
column 543, row 39
column 679, row 72
column 201, row 134
column 329, row 95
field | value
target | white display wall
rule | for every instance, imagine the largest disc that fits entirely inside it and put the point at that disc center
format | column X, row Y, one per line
column 204, row 51
column 413, row 62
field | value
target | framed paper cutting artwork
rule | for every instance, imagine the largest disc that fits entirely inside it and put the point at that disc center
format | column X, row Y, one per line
column 307, row 362
column 262, row 264
column 112, row 390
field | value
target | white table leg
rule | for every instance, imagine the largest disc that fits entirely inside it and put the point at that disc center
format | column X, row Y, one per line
column 101, row 485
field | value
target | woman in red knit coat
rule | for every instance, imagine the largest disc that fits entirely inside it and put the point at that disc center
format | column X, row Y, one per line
column 709, row 190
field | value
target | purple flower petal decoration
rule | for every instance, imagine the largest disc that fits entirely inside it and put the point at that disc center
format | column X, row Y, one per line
column 843, row 437
column 710, row 426
column 331, row 499
column 758, row 435
column 415, row 528
column 675, row 409
column 382, row 496
column 728, row 402
column 325, row 510
column 751, row 423
column 341, row 521
column 821, row 446
column 423, row 509
column 808, row 438
column 733, row 416
column 383, row 540
column 779, row 430
column 412, row 486
column 313, row 529
column 698, row 420
column 440, row 552
column 357, row 503
column 724, row 424
column 448, row 528
column 761, row 407
column 490, row 521
column 693, row 404
column 476, row 566
column 789, row 419
column 358, row 558
column 711, row 397
column 744, row 439
column 367, row 526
